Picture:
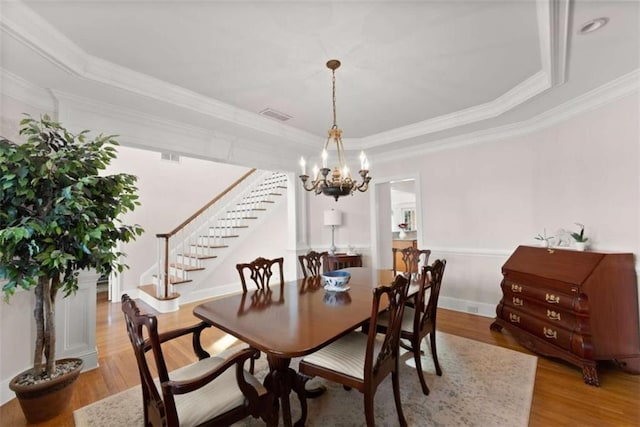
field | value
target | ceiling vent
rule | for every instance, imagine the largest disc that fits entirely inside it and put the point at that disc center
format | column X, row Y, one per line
column 170, row 157
column 273, row 114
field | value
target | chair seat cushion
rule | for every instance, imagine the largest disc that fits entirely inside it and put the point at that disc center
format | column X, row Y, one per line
column 407, row 319
column 345, row 355
column 215, row 398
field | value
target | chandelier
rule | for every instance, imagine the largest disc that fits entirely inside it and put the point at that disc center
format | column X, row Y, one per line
column 336, row 181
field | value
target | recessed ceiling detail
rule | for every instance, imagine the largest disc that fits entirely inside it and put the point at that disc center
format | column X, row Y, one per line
column 459, row 67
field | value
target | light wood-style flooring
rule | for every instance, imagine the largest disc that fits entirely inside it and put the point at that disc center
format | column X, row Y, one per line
column 560, row 396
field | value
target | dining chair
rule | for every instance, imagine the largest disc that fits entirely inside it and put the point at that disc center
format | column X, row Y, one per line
column 420, row 321
column 215, row 390
column 412, row 258
column 362, row 361
column 261, row 270
column 312, row 263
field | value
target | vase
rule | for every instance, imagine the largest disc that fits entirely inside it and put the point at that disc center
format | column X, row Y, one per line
column 581, row 246
column 402, row 234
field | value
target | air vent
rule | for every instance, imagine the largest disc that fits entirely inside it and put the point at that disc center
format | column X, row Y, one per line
column 273, row 114
column 170, row 157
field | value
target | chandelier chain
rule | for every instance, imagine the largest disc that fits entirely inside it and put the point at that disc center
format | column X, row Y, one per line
column 335, row 125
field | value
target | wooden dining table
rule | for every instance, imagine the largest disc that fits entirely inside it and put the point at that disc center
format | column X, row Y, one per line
column 293, row 320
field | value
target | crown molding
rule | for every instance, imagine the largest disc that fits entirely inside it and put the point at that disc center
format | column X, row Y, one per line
column 610, row 92
column 20, row 22
column 526, row 90
column 18, row 88
column 141, row 130
column 553, row 35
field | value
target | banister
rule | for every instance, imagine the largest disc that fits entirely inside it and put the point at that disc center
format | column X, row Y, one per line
column 167, row 236
column 205, row 207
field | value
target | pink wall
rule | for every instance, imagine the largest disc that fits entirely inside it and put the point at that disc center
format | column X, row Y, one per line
column 481, row 201
column 169, row 193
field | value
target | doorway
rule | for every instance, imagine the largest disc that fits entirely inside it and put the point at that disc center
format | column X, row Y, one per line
column 395, row 205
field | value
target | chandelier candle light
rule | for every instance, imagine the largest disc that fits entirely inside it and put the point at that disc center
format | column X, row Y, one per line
column 339, row 182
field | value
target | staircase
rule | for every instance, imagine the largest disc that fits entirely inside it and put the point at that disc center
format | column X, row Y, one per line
column 201, row 241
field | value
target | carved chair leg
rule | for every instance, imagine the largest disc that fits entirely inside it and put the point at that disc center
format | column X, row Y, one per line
column 434, row 353
column 396, row 396
column 368, row 408
column 417, row 356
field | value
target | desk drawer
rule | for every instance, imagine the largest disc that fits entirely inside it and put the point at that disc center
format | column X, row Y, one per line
column 553, row 315
column 552, row 333
column 552, row 299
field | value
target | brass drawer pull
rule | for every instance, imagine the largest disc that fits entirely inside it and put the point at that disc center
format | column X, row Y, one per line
column 518, row 301
column 552, row 299
column 553, row 315
column 514, row 318
column 516, row 288
column 550, row 333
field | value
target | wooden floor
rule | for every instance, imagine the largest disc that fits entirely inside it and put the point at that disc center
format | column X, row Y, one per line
column 560, row 397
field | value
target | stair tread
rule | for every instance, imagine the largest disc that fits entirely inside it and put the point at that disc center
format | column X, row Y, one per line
column 223, row 227
column 230, row 236
column 185, row 267
column 211, row 246
column 235, row 219
column 151, row 291
column 177, row 280
column 197, row 256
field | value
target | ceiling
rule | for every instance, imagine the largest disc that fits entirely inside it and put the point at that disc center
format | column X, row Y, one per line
column 413, row 73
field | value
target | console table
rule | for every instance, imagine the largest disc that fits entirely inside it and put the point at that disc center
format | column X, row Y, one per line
column 339, row 261
column 577, row 306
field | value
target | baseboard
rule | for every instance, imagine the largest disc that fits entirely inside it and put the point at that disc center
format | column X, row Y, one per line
column 466, row 306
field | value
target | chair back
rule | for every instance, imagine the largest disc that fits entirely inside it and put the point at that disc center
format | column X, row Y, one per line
column 412, row 259
column 261, row 270
column 312, row 263
column 138, row 325
column 387, row 356
column 425, row 313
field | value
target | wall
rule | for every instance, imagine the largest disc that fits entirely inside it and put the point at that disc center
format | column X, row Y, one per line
column 481, row 201
column 354, row 230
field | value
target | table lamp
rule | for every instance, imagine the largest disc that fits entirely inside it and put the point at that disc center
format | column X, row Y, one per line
column 332, row 218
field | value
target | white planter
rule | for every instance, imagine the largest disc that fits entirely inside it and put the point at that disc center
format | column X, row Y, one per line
column 581, row 246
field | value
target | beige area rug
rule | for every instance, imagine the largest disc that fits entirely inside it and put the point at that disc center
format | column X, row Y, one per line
column 481, row 385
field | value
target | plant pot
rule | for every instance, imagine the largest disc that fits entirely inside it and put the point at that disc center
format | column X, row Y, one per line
column 581, row 246
column 402, row 234
column 45, row 400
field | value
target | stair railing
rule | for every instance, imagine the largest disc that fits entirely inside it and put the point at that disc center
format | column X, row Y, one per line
column 182, row 231
column 210, row 227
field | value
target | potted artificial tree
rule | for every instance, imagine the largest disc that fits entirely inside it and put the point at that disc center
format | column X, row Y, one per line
column 58, row 216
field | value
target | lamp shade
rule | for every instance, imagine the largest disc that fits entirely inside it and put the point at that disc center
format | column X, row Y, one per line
column 332, row 217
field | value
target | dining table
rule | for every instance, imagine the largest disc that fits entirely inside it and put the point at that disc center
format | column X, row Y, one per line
column 294, row 319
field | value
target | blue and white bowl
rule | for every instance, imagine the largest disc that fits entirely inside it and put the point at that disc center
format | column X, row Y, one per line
column 336, row 279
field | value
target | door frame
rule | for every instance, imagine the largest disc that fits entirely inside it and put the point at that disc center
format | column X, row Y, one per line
column 375, row 212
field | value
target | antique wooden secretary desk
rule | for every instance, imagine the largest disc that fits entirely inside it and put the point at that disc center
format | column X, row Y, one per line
column 577, row 306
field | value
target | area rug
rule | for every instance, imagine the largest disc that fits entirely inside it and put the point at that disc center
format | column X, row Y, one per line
column 481, row 385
